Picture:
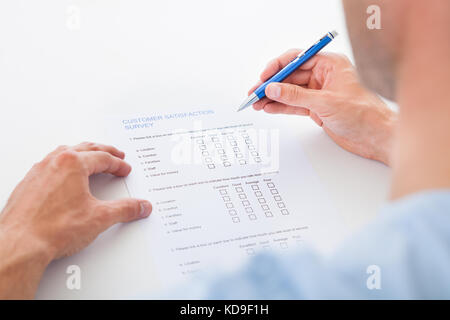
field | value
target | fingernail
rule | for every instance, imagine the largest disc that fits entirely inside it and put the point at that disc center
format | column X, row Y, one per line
column 273, row 91
column 146, row 208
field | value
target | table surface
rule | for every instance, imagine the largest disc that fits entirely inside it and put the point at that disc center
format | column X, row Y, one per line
column 67, row 65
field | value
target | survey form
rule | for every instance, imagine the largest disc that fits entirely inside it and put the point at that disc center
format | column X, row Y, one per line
column 224, row 187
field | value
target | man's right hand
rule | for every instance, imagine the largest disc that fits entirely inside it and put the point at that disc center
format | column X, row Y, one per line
column 327, row 89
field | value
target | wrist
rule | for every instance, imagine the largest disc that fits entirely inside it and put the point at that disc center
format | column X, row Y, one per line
column 23, row 260
column 384, row 136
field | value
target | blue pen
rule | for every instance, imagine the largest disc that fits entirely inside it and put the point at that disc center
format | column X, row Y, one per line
column 304, row 56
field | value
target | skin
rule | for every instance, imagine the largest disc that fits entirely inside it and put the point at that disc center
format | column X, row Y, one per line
column 327, row 89
column 408, row 59
column 52, row 214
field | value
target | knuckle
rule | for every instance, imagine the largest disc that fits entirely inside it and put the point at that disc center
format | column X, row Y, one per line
column 293, row 50
column 61, row 148
column 293, row 93
column 68, row 158
column 104, row 214
column 90, row 145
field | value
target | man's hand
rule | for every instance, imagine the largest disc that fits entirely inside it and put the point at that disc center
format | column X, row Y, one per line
column 328, row 90
column 52, row 213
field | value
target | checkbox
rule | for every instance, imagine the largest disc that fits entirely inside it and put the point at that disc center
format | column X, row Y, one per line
column 245, row 203
column 283, row 245
column 211, row 166
column 205, row 153
column 239, row 189
column 242, row 162
column 251, row 147
column 277, row 198
column 281, row 205
column 208, row 159
column 268, row 214
column 226, row 164
column 261, row 200
column 258, row 194
column 255, row 187
column 257, row 159
column 236, row 149
column 284, row 212
column 226, row 198
column 229, row 205
column 242, row 196
column 232, row 212
column 271, row 185
column 273, row 191
column 202, row 147
column 249, row 209
column 252, row 217
column 238, row 155
column 236, row 219
column 218, row 145
column 223, row 191
column 265, row 207
column 254, row 153
column 233, row 143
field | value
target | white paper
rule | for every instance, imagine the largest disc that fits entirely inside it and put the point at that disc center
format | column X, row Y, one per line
column 224, row 186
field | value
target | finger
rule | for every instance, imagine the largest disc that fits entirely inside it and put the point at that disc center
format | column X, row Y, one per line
column 299, row 78
column 125, row 210
column 90, row 146
column 104, row 162
column 260, row 104
column 277, row 108
column 294, row 95
column 277, row 64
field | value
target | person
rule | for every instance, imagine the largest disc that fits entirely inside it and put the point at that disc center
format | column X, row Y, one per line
column 52, row 214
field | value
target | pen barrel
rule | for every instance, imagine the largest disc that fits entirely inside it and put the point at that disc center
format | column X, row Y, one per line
column 293, row 65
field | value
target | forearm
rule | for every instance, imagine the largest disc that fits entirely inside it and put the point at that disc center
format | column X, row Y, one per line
column 22, row 263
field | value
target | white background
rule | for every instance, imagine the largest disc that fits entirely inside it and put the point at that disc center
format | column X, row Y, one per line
column 58, row 83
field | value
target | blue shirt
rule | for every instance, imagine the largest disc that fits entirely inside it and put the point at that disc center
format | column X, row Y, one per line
column 403, row 254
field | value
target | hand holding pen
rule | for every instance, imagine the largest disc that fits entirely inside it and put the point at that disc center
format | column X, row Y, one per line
column 327, row 89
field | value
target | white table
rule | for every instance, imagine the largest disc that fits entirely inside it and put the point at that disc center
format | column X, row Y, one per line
column 59, row 79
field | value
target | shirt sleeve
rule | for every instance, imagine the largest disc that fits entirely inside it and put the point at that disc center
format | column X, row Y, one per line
column 403, row 254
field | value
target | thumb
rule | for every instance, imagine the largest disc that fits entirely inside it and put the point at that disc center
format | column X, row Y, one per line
column 294, row 95
column 126, row 210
